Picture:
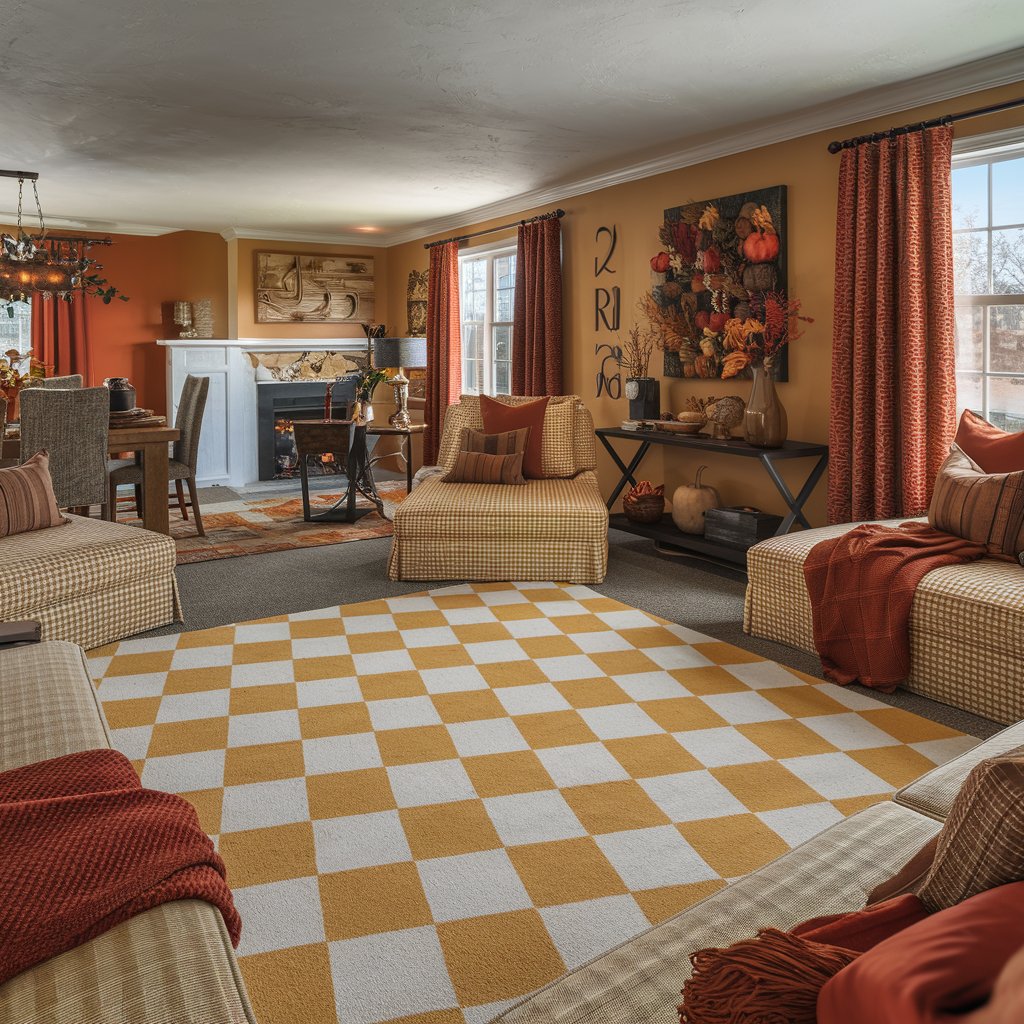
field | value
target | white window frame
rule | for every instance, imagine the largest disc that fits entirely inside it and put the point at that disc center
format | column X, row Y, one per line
column 987, row 150
column 489, row 253
column 24, row 344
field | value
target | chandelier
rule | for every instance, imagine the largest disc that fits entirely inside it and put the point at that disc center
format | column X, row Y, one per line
column 47, row 265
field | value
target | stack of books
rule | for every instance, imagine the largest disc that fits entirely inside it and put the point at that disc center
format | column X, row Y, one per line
column 136, row 418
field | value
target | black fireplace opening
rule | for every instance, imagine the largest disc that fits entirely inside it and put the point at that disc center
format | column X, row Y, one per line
column 278, row 406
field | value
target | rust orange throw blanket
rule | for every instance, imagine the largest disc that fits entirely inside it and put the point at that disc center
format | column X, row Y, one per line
column 83, row 847
column 861, row 585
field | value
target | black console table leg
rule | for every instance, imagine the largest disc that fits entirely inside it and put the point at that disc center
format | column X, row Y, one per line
column 627, row 471
column 796, row 504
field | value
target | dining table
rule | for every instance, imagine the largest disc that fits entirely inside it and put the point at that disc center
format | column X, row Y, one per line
column 150, row 444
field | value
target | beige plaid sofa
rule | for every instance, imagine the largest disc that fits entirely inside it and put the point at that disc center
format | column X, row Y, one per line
column 170, row 965
column 966, row 623
column 639, row 982
column 89, row 581
column 551, row 529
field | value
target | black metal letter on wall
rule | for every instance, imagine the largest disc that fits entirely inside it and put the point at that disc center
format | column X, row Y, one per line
column 607, row 314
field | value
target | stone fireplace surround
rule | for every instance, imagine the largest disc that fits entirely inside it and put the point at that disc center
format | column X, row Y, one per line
column 229, row 443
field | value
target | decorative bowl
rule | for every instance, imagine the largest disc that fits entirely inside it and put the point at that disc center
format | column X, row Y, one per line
column 645, row 508
column 675, row 427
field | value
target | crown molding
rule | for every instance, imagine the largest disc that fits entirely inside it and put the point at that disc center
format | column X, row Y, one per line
column 988, row 73
column 96, row 227
column 318, row 238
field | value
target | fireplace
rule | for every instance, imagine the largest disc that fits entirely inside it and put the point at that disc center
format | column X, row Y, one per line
column 277, row 406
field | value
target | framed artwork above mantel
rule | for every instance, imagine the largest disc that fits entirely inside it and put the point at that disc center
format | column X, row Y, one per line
column 313, row 288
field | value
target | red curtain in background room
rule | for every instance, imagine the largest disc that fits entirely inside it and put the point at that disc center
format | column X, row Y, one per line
column 60, row 335
column 537, row 320
column 444, row 345
column 893, row 412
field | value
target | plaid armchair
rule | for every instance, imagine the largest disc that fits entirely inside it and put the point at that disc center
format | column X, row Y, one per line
column 550, row 529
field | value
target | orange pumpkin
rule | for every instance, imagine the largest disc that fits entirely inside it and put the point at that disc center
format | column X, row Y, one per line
column 660, row 263
column 761, row 246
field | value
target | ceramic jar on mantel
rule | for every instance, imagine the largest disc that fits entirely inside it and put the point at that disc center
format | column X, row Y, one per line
column 764, row 421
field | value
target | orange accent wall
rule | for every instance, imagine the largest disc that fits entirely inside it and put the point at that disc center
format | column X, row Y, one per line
column 243, row 266
column 636, row 209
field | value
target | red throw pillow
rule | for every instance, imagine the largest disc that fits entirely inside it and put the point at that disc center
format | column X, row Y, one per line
column 946, row 964
column 993, row 449
column 499, row 418
column 778, row 975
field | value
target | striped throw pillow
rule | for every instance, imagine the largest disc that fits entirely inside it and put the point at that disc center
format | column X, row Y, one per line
column 27, row 501
column 511, row 442
column 481, row 468
column 987, row 508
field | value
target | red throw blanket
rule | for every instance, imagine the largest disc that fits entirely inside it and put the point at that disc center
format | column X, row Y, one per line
column 862, row 586
column 83, row 847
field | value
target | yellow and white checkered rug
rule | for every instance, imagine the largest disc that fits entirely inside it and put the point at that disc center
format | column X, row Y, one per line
column 431, row 805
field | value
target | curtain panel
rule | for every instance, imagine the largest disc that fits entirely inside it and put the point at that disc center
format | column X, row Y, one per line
column 60, row 335
column 537, row 318
column 893, row 407
column 444, row 344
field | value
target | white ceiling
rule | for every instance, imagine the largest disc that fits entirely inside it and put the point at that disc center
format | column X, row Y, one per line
column 318, row 117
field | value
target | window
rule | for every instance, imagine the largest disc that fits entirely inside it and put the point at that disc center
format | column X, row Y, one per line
column 487, row 290
column 988, row 266
column 16, row 331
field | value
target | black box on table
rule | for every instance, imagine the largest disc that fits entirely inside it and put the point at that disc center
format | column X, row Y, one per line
column 739, row 525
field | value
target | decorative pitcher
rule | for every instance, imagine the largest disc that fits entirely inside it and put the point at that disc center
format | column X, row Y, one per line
column 764, row 422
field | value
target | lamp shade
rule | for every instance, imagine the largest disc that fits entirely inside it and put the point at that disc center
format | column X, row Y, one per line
column 408, row 353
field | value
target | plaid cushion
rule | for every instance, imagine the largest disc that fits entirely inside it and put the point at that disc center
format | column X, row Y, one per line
column 966, row 623
column 545, row 530
column 90, row 581
column 481, row 468
column 507, row 443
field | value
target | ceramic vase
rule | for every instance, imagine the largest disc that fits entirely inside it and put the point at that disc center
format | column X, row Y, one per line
column 644, row 395
column 764, row 421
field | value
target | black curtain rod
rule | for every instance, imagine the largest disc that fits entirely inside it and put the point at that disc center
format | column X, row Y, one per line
column 553, row 215
column 836, row 147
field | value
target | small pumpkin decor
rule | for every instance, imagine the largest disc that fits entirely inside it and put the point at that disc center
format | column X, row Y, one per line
column 691, row 501
column 644, row 503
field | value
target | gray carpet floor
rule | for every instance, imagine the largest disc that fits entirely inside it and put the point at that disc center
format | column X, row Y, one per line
column 703, row 595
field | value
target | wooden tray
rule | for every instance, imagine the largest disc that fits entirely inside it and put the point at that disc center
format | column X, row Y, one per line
column 675, row 427
column 139, row 421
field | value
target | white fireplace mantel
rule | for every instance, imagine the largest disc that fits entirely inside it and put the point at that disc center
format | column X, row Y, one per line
column 228, row 443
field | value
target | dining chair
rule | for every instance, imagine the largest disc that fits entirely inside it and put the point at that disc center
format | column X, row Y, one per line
column 183, row 460
column 73, row 380
column 72, row 425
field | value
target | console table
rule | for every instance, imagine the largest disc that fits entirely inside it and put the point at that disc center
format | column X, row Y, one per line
column 666, row 532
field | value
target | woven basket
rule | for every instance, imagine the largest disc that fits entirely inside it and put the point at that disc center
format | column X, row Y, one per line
column 644, row 508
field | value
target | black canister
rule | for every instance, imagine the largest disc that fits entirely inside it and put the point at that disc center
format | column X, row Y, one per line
column 122, row 394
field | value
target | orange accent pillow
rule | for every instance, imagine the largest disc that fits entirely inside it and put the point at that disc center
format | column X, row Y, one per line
column 946, row 964
column 995, row 450
column 499, row 418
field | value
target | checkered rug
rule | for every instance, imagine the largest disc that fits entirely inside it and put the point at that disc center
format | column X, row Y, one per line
column 431, row 805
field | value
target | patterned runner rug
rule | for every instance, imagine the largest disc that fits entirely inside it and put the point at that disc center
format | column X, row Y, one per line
column 431, row 805
column 239, row 527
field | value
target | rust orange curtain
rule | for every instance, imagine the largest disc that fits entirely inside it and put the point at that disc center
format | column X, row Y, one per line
column 893, row 410
column 444, row 345
column 537, row 319
column 60, row 335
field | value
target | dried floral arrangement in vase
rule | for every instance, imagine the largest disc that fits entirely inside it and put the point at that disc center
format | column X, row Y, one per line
column 642, row 390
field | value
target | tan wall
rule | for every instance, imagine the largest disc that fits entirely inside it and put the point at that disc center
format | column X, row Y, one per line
column 244, row 306
column 636, row 209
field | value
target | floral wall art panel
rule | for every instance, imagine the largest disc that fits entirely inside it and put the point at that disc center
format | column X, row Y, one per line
column 719, row 283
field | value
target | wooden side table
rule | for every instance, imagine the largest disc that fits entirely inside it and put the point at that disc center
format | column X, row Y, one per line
column 348, row 444
column 405, row 449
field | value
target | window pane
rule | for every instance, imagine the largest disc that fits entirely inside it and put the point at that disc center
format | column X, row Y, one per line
column 970, row 197
column 970, row 263
column 503, row 343
column 16, row 331
column 1006, row 402
column 970, row 339
column 504, row 300
column 1008, row 262
column 968, row 392
column 1007, row 192
column 501, row 379
column 1006, row 339
column 505, row 271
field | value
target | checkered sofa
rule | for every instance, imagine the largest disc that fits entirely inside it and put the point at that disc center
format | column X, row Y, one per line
column 639, row 982
column 89, row 581
column 966, row 624
column 551, row 529
column 169, row 965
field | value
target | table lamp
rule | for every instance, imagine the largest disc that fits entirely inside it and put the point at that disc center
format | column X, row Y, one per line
column 403, row 353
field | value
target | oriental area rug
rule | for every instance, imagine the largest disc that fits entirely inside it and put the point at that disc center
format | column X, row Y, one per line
column 431, row 805
column 241, row 527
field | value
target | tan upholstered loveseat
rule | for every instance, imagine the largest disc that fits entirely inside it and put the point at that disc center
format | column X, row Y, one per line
column 966, row 624
column 550, row 529
column 90, row 582
column 170, row 965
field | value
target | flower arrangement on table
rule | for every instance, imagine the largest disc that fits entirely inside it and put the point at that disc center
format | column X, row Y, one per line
column 16, row 370
column 718, row 303
column 367, row 381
